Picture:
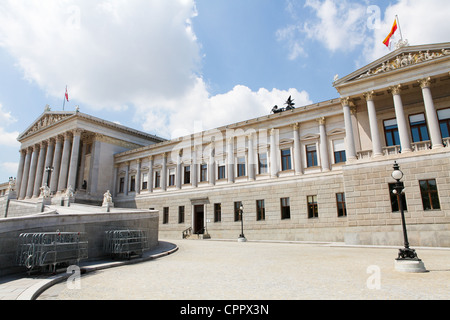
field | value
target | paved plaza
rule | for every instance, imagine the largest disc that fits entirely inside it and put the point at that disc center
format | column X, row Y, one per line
column 228, row 270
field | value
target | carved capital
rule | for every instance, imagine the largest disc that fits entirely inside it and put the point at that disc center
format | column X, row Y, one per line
column 369, row 95
column 396, row 89
column 321, row 121
column 295, row 126
column 425, row 83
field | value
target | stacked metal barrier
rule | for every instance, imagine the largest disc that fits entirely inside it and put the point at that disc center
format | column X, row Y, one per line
column 125, row 243
column 37, row 250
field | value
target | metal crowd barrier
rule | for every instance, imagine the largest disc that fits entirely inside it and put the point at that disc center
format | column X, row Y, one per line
column 47, row 249
column 125, row 243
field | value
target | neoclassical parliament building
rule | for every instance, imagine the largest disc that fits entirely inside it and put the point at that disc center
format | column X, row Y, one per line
column 320, row 172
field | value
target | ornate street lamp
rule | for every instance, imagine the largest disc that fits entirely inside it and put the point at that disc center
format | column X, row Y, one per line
column 241, row 236
column 407, row 258
column 48, row 170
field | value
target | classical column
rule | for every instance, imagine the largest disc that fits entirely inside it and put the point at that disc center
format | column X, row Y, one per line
column 251, row 158
column 32, row 174
column 194, row 165
column 405, row 142
column 230, row 160
column 297, row 150
column 73, row 167
column 179, row 169
column 324, row 157
column 164, row 172
column 212, row 165
column 40, row 170
column 138, row 177
column 273, row 154
column 62, row 182
column 349, row 138
column 82, row 165
column 48, row 161
column 373, row 122
column 150, row 174
column 23, row 154
column 116, row 174
column 26, row 173
column 127, row 173
column 430, row 111
column 56, row 164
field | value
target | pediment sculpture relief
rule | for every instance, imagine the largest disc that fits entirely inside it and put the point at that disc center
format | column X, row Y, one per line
column 405, row 60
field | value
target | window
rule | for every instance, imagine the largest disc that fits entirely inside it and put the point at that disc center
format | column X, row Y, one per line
column 262, row 163
column 237, row 209
column 260, row 210
column 187, row 174
column 419, row 131
column 157, row 179
column 181, row 214
column 144, row 181
column 311, row 155
column 340, row 204
column 286, row 159
column 429, row 192
column 165, row 215
column 313, row 210
column 221, row 172
column 217, row 212
column 396, row 197
column 203, row 172
column 171, row 177
column 391, row 133
column 241, row 166
column 285, row 208
column 121, row 184
column 133, row 183
column 339, row 151
column 444, row 122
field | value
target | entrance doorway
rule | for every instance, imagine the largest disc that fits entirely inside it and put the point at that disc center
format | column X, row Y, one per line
column 199, row 219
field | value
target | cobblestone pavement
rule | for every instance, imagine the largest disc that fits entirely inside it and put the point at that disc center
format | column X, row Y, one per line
column 225, row 270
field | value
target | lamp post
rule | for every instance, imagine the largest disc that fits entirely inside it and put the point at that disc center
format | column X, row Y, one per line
column 48, row 170
column 241, row 236
column 407, row 258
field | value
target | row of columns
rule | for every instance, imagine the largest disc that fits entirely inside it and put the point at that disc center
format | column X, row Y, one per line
column 405, row 141
column 60, row 153
column 251, row 167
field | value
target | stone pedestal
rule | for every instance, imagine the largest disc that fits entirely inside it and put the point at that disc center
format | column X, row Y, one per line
column 407, row 265
column 242, row 239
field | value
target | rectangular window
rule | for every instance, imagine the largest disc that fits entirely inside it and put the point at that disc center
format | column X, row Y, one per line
column 391, row 133
column 311, row 155
column 286, row 159
column 395, row 198
column 165, row 215
column 339, row 151
column 157, row 179
column 313, row 210
column 133, row 183
column 171, row 177
column 121, row 185
column 203, row 172
column 285, row 208
column 429, row 192
column 340, row 204
column 419, row 131
column 221, row 172
column 187, row 174
column 237, row 210
column 241, row 167
column 217, row 212
column 144, row 181
column 260, row 210
column 181, row 214
column 262, row 163
column 444, row 122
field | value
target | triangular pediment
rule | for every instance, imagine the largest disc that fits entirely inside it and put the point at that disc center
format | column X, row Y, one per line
column 401, row 58
column 47, row 119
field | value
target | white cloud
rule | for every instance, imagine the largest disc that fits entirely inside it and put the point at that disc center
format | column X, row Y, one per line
column 7, row 139
column 10, row 167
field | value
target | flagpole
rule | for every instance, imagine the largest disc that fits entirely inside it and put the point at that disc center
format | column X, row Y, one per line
column 399, row 29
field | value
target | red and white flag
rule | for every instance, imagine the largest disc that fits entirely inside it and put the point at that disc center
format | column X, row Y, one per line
column 67, row 95
column 388, row 38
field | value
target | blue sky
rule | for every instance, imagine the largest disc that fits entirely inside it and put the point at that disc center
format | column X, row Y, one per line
column 169, row 67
